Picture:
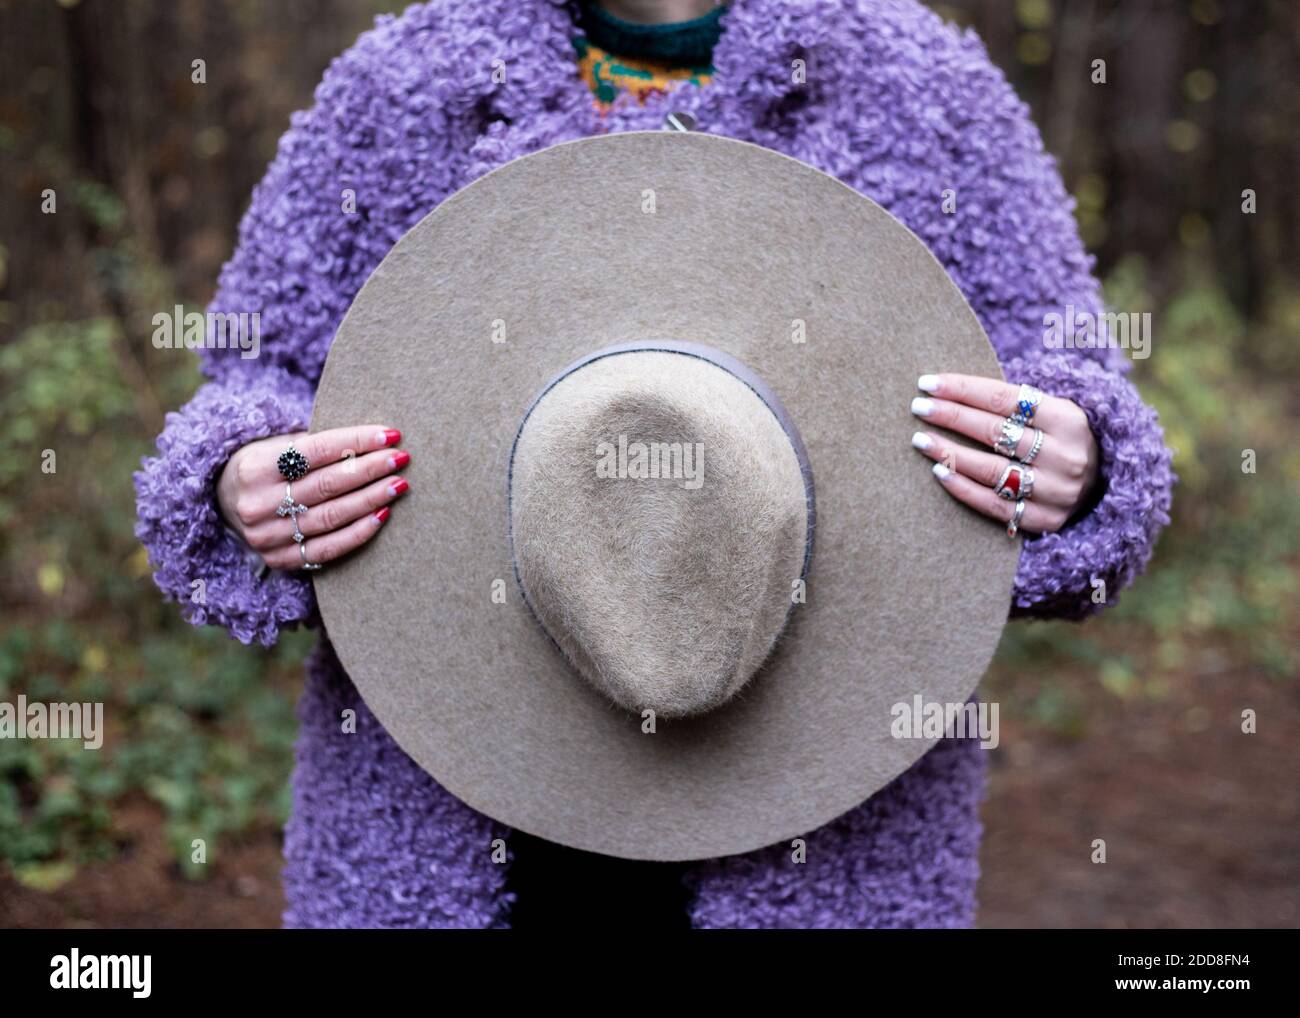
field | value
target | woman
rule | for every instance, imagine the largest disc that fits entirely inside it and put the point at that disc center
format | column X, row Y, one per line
column 884, row 96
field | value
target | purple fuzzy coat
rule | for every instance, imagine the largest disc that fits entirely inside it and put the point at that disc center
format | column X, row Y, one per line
column 896, row 104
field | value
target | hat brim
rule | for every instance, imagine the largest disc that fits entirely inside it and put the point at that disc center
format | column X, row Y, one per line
column 559, row 254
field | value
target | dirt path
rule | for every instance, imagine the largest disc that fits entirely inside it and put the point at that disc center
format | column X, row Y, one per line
column 1200, row 821
column 1201, row 824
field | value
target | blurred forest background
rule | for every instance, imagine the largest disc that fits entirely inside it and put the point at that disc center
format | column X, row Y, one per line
column 1127, row 728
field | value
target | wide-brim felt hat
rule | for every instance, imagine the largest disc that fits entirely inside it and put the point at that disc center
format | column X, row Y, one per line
column 669, row 562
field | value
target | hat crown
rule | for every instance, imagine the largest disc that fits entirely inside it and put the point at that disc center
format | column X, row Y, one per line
column 660, row 521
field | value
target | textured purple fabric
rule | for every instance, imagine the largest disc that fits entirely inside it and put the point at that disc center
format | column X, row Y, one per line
column 907, row 857
column 375, row 841
column 196, row 560
column 896, row 104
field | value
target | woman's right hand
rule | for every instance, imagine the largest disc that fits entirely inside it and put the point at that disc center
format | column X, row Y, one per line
column 347, row 491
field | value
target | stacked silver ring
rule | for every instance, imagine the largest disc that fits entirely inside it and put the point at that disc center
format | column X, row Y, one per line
column 1009, row 440
column 294, row 465
column 1029, row 457
column 1013, row 428
column 308, row 566
column 1013, row 525
column 1017, row 480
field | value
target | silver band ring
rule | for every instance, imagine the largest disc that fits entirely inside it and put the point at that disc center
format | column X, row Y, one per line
column 1027, row 403
column 1013, row 527
column 1012, row 432
column 308, row 566
column 288, row 507
column 1017, row 481
column 1028, row 458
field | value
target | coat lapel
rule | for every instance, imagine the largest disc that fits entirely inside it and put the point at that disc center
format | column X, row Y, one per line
column 755, row 94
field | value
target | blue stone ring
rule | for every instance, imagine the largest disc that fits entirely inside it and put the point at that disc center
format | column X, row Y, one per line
column 1027, row 404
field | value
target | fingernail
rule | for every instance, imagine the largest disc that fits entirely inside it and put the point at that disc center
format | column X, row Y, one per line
column 941, row 472
column 399, row 459
column 398, row 486
column 920, row 440
column 387, row 437
column 380, row 516
column 922, row 407
column 928, row 383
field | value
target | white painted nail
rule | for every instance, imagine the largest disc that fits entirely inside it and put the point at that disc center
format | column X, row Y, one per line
column 928, row 383
column 922, row 407
column 941, row 472
column 920, row 440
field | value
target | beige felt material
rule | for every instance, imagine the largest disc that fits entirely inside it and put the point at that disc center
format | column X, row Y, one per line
column 745, row 250
column 665, row 577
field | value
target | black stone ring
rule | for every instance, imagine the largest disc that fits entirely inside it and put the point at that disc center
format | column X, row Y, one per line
column 292, row 464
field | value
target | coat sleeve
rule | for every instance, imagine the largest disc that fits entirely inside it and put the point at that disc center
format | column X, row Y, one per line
column 1014, row 250
column 196, row 560
column 1077, row 570
column 302, row 254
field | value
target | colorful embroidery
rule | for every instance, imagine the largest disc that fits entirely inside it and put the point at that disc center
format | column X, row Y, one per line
column 610, row 76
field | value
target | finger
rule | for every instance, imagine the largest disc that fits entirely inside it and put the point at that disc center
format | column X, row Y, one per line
column 331, row 546
column 340, row 444
column 332, row 515
column 1037, row 518
column 987, row 468
column 338, row 479
column 999, row 398
column 980, row 425
column 326, row 447
column 321, row 486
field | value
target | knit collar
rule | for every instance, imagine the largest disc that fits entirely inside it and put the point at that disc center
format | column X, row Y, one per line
column 544, row 101
column 679, row 44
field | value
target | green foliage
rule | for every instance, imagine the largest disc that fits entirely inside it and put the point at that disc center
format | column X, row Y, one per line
column 1226, row 568
column 104, row 209
column 197, row 723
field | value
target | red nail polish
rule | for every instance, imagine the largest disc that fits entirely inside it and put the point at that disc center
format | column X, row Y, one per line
column 399, row 459
column 392, row 436
column 381, row 515
column 398, row 486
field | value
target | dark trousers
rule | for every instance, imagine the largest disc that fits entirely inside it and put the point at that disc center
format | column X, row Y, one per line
column 562, row 888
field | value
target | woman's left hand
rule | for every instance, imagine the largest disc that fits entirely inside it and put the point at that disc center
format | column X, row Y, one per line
column 1054, row 485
